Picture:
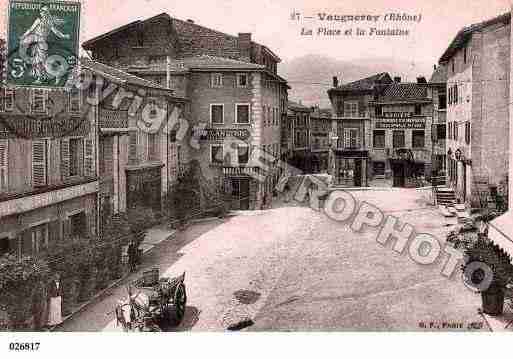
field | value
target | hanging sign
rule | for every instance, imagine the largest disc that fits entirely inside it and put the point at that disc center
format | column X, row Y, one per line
column 43, row 40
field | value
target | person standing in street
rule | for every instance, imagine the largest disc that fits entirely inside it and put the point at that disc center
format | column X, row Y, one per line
column 55, row 305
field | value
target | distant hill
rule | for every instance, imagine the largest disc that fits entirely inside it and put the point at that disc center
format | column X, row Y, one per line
column 311, row 76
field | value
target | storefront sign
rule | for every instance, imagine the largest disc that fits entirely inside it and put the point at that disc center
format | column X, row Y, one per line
column 397, row 114
column 217, row 134
column 12, row 126
column 401, row 123
column 43, row 42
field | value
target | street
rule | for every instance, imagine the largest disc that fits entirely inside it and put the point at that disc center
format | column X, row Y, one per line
column 293, row 268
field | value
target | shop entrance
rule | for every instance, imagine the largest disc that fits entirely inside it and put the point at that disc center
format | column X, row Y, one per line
column 240, row 194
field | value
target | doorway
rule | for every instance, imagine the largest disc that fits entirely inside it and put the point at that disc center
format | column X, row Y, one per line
column 240, row 193
column 398, row 170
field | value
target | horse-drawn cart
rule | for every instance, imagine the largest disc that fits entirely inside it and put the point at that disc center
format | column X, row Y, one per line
column 152, row 302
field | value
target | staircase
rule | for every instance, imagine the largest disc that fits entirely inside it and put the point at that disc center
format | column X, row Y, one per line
column 445, row 196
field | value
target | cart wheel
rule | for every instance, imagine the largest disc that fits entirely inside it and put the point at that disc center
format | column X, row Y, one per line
column 180, row 300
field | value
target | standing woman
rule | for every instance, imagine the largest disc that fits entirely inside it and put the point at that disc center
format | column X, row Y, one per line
column 55, row 306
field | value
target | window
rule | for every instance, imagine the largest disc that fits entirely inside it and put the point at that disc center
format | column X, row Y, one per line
column 455, row 130
column 449, row 130
column 78, row 225
column 351, row 109
column 452, row 65
column 4, row 246
column 74, row 101
column 351, row 138
column 442, row 101
column 379, row 138
column 242, row 80
column 217, row 80
column 398, row 139
column 216, row 154
column 418, row 110
column 8, row 100
column 75, row 156
column 4, row 165
column 242, row 113
column 217, row 114
column 39, row 238
column 465, row 55
column 379, row 111
column 243, row 154
column 38, row 101
column 39, row 163
column 467, row 132
column 264, row 115
column 378, row 168
column 418, row 139
column 440, row 132
column 153, row 149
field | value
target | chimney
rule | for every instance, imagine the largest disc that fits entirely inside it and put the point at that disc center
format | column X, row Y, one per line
column 245, row 46
column 434, row 67
column 190, row 21
column 397, row 79
column 335, row 81
column 421, row 80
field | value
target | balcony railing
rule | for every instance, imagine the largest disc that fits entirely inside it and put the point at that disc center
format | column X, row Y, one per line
column 113, row 119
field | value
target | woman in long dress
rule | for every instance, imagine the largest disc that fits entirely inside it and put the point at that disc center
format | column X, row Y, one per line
column 55, row 305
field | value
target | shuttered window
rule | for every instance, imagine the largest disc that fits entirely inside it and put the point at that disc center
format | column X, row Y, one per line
column 351, row 138
column 39, row 163
column 38, row 100
column 88, row 158
column 65, row 165
column 8, row 100
column 74, row 100
column 132, row 148
column 76, row 155
column 4, row 165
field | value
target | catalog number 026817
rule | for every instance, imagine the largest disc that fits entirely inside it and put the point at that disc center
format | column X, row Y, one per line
column 16, row 346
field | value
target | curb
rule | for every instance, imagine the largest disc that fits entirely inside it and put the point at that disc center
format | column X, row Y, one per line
column 82, row 306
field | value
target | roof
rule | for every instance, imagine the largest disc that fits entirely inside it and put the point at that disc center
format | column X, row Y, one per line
column 439, row 76
column 191, row 37
column 201, row 62
column 294, row 106
column 464, row 34
column 403, row 92
column 118, row 76
column 365, row 84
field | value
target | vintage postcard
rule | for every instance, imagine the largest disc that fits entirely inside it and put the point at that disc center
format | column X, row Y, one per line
column 255, row 166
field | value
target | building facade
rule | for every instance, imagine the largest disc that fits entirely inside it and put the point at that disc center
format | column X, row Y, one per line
column 438, row 84
column 351, row 126
column 298, row 116
column 478, row 64
column 320, row 131
column 48, row 169
column 237, row 100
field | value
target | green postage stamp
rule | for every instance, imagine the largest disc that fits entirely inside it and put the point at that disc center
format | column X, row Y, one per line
column 43, row 40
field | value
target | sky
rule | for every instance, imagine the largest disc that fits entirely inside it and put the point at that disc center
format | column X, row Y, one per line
column 270, row 24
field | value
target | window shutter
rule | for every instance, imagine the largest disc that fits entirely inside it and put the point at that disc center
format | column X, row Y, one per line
column 39, row 163
column 26, row 243
column 132, row 147
column 4, row 166
column 66, row 228
column 88, row 158
column 65, row 162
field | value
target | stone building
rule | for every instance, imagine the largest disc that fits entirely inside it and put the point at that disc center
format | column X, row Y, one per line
column 48, row 168
column 233, row 88
column 138, row 158
column 383, row 131
column 351, row 104
column 298, row 117
column 438, row 84
column 478, row 66
column 320, row 131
